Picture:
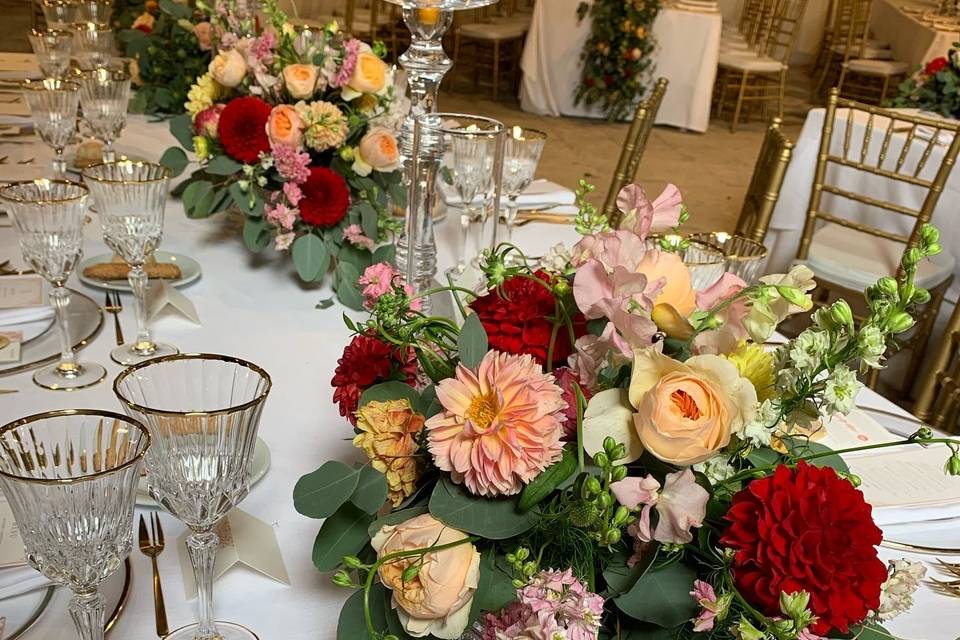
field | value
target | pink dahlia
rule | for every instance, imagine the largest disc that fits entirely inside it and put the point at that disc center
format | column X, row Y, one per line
column 501, row 424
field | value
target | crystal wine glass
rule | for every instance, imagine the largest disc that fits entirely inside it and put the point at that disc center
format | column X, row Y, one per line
column 49, row 218
column 202, row 412
column 52, row 49
column 70, row 478
column 520, row 159
column 53, row 109
column 93, row 45
column 96, row 11
column 104, row 96
column 130, row 198
column 60, row 14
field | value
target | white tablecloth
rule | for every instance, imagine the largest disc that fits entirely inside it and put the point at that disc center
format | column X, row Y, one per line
column 687, row 51
column 253, row 307
column 911, row 40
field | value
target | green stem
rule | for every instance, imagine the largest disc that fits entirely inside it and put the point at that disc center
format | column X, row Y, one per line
column 581, row 401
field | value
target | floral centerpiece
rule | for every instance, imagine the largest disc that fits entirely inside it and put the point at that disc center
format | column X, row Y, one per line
column 169, row 44
column 616, row 55
column 933, row 87
column 600, row 451
column 296, row 129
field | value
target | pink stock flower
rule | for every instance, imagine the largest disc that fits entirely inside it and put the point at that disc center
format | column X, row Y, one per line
column 293, row 193
column 501, row 424
column 351, row 50
column 291, row 164
column 354, row 235
column 281, row 215
column 380, row 279
column 706, row 597
column 262, row 47
column 644, row 217
column 681, row 505
column 283, row 241
column 615, row 248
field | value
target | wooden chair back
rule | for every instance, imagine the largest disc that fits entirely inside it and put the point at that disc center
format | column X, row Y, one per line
column 764, row 189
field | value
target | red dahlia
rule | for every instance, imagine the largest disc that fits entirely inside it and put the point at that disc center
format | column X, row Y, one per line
column 806, row 529
column 565, row 378
column 243, row 129
column 935, row 65
column 366, row 361
column 326, row 197
column 520, row 320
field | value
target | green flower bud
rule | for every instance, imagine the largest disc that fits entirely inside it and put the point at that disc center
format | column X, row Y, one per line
column 605, row 500
column 619, row 452
column 609, row 444
column 530, row 568
column 841, row 314
column 523, row 553
column 929, row 234
column 746, row 631
column 601, row 459
column 900, row 322
column 561, row 287
column 619, row 473
column 854, row 479
column 347, row 154
column 934, row 249
column 923, row 433
column 952, row 468
column 913, row 255
column 920, row 296
column 518, row 583
column 887, row 285
column 342, row 579
column 353, row 562
column 592, row 486
column 794, row 605
column 584, row 514
column 794, row 296
column 612, row 536
column 620, row 515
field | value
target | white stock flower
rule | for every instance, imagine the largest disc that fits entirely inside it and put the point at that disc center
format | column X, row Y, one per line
column 841, row 391
column 808, row 349
column 556, row 259
column 871, row 346
column 759, row 430
column 716, row 469
column 896, row 594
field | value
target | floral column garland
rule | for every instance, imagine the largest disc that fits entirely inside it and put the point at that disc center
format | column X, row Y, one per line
column 616, row 55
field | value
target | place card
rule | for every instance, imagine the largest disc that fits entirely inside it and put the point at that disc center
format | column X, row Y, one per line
column 162, row 296
column 11, row 546
column 21, row 291
column 245, row 540
column 10, row 346
column 857, row 429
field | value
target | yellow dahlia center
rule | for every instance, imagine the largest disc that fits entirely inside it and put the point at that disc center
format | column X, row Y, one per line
column 482, row 411
column 685, row 404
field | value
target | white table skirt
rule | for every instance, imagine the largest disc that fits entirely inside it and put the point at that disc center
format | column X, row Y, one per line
column 911, row 40
column 687, row 51
column 254, row 308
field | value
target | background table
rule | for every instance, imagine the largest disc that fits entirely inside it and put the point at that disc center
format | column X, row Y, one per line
column 254, row 307
column 687, row 51
column 911, row 40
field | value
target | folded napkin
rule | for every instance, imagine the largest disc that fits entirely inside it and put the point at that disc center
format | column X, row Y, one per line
column 540, row 193
column 19, row 580
column 13, row 317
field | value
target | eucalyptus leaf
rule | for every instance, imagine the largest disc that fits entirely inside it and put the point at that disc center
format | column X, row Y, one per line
column 472, row 342
column 368, row 219
column 181, row 127
column 175, row 159
column 176, row 10
column 661, row 596
column 545, row 483
column 223, row 166
column 198, row 199
column 620, row 577
column 491, row 518
column 386, row 253
column 347, row 290
column 391, row 390
column 396, row 517
column 371, row 491
column 310, row 257
column 351, row 624
column 256, row 235
column 342, row 534
column 495, row 589
column 320, row 493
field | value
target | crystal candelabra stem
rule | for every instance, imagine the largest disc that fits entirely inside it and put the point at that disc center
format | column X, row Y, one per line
column 426, row 63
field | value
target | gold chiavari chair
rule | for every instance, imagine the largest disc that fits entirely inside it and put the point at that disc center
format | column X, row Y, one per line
column 846, row 38
column 761, row 76
column 633, row 148
column 368, row 20
column 849, row 255
column 764, row 189
column 938, row 391
column 490, row 41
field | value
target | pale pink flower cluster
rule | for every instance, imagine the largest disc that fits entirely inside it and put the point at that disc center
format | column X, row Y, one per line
column 293, row 193
column 354, row 235
column 283, row 241
column 351, row 50
column 501, row 424
column 291, row 164
column 263, row 46
column 681, row 506
column 382, row 278
column 281, row 215
column 554, row 604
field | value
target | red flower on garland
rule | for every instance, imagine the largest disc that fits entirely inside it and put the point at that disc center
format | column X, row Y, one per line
column 326, row 197
column 520, row 321
column 243, row 129
column 565, row 378
column 366, row 361
column 806, row 529
column 935, row 65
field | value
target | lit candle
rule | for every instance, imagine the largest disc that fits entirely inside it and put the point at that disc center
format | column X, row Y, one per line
column 428, row 15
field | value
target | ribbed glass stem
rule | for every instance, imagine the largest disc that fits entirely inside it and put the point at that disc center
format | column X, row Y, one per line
column 138, row 284
column 60, row 300
column 87, row 609
column 202, row 548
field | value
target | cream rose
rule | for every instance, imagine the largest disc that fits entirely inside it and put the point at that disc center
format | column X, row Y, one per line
column 687, row 411
column 301, row 80
column 437, row 601
column 228, row 68
column 377, row 152
column 204, row 34
column 369, row 76
column 284, row 126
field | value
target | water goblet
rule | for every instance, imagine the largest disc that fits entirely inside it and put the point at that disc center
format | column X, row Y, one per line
column 93, row 46
column 49, row 217
column 52, row 48
column 130, row 198
column 202, row 412
column 96, row 11
column 104, row 96
column 71, row 478
column 60, row 14
column 53, row 109
column 521, row 156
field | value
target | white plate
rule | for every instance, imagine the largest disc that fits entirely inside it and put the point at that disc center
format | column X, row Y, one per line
column 189, row 271
column 33, row 330
column 258, row 469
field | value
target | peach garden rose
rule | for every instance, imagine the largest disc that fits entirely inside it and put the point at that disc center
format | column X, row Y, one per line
column 437, row 600
column 285, row 126
column 301, row 80
column 369, row 76
column 228, row 68
column 378, row 151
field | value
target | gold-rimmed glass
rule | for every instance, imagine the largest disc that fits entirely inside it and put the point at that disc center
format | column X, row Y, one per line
column 53, row 109
column 60, row 14
column 94, row 45
column 71, row 478
column 744, row 257
column 203, row 412
column 104, row 97
column 131, row 197
column 96, row 11
column 53, row 48
column 705, row 262
column 521, row 155
column 49, row 217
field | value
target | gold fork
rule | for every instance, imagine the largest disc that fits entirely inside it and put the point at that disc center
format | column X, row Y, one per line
column 151, row 544
column 114, row 306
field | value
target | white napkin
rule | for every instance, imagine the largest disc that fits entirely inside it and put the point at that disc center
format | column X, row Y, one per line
column 540, row 193
column 12, row 317
column 20, row 580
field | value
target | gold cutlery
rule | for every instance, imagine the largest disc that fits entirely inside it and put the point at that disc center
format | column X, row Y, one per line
column 4, row 392
column 27, row 161
column 151, row 544
column 526, row 216
column 114, row 306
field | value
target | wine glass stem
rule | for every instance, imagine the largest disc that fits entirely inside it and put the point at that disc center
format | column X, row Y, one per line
column 202, row 547
column 138, row 284
column 511, row 216
column 59, row 300
column 108, row 154
column 465, row 223
column 87, row 609
column 59, row 165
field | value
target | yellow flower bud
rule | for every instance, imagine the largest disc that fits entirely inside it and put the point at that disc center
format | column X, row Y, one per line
column 669, row 320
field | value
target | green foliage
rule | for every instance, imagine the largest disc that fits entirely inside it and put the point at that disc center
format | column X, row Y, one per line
column 256, row 234
column 934, row 87
column 800, row 447
column 661, row 596
column 348, row 293
column 320, row 493
column 621, row 578
column 310, row 257
column 175, row 159
column 223, row 166
column 495, row 589
column 342, row 534
column 181, row 127
column 392, row 390
column 198, row 199
column 472, row 342
column 371, row 491
column 547, row 482
column 351, row 624
column 492, row 518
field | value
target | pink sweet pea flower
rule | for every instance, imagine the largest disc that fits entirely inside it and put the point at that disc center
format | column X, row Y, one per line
column 732, row 331
column 644, row 217
column 681, row 505
column 706, row 597
column 613, row 249
column 600, row 293
column 591, row 352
